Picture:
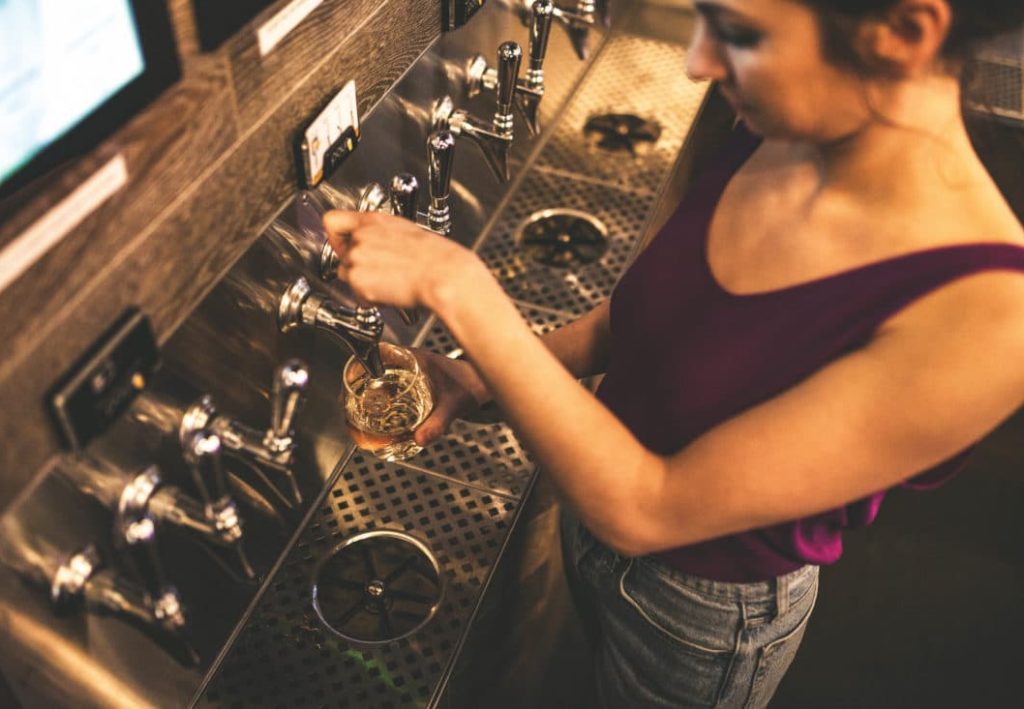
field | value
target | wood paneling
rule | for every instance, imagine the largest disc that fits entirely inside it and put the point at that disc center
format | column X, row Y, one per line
column 209, row 168
column 260, row 82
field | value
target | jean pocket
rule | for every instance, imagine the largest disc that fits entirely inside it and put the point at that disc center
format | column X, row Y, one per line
column 681, row 634
column 777, row 655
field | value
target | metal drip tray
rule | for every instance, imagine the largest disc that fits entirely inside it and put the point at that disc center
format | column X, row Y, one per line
column 377, row 587
column 563, row 238
column 622, row 133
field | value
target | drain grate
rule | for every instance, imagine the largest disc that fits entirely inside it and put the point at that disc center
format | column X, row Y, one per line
column 634, row 75
column 286, row 657
column 377, row 587
column 562, row 238
column 621, row 132
column 573, row 291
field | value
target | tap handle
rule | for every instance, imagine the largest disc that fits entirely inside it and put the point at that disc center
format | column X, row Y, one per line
column 202, row 453
column 540, row 29
column 67, row 587
column 510, row 56
column 440, row 159
column 287, row 393
column 140, row 543
column 372, row 198
column 404, row 192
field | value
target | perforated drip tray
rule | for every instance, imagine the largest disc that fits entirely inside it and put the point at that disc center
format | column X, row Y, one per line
column 577, row 289
column 562, row 238
column 629, row 119
column 412, row 525
column 622, row 133
column 377, row 587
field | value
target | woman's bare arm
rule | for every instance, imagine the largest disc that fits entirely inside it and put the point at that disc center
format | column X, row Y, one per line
column 933, row 380
column 923, row 390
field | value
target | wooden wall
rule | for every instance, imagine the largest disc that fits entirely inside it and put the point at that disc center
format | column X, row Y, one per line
column 209, row 163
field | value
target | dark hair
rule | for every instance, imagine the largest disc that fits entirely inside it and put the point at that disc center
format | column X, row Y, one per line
column 974, row 22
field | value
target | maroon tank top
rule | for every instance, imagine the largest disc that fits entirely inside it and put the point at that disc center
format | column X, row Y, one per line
column 686, row 355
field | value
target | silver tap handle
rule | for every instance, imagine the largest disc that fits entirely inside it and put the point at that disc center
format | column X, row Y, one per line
column 404, row 192
column 440, row 161
column 287, row 393
column 540, row 30
column 372, row 198
column 202, row 453
column 510, row 56
column 140, row 543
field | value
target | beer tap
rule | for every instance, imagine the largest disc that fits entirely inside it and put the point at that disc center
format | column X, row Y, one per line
column 273, row 449
column 360, row 329
column 530, row 90
column 577, row 22
column 402, row 200
column 81, row 582
column 146, row 495
column 495, row 139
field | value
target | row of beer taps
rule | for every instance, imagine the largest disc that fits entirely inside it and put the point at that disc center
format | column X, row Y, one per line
column 360, row 327
column 145, row 501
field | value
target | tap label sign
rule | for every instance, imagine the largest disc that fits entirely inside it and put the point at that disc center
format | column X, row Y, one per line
column 329, row 138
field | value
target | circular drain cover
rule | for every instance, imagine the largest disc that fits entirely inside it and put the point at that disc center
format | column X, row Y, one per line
column 563, row 238
column 621, row 132
column 377, row 587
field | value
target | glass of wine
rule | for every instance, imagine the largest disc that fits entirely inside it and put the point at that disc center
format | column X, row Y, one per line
column 383, row 413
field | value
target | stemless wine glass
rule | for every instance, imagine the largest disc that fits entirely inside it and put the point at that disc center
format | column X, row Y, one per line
column 382, row 414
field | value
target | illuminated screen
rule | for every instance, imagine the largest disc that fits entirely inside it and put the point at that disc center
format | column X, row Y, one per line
column 59, row 61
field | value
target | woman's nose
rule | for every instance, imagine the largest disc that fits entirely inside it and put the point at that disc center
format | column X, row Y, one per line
column 703, row 58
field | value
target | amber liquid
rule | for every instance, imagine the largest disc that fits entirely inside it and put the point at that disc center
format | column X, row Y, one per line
column 383, row 413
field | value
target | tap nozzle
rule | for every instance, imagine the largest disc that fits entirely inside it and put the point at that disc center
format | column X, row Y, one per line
column 359, row 329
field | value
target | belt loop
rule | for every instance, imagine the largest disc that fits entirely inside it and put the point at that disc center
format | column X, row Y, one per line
column 781, row 595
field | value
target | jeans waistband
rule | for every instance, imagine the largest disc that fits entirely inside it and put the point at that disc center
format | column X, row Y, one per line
column 782, row 588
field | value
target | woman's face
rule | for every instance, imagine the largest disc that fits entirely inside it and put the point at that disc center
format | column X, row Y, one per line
column 767, row 57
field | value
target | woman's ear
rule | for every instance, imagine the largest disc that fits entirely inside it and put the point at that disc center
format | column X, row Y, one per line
column 908, row 38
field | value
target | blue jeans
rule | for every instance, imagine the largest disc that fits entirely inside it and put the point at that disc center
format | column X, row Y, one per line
column 662, row 638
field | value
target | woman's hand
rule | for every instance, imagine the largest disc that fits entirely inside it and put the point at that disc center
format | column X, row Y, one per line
column 390, row 260
column 457, row 390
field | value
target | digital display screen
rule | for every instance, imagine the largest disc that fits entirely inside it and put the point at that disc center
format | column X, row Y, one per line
column 59, row 61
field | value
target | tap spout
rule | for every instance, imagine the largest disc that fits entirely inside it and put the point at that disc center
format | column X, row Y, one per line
column 359, row 329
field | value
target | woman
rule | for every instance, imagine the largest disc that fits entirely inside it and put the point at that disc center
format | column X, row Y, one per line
column 828, row 314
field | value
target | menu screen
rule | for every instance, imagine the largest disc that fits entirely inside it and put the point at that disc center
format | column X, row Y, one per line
column 59, row 61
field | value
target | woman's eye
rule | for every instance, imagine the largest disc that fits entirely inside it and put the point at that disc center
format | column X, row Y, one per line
column 737, row 37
